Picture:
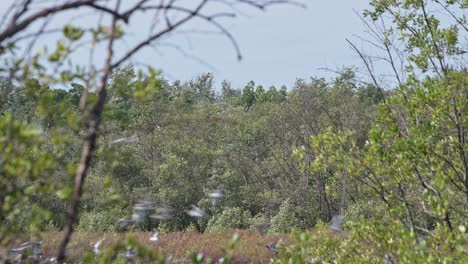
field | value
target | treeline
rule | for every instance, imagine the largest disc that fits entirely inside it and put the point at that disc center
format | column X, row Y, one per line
column 194, row 138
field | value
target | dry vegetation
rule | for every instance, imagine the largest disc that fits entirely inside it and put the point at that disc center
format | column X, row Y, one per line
column 180, row 245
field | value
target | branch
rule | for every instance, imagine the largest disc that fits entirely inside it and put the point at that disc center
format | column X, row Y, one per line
column 23, row 10
column 158, row 35
column 265, row 4
column 110, row 11
column 16, row 28
column 366, row 63
column 89, row 144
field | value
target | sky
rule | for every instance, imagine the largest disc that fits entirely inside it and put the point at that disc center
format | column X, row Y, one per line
column 278, row 46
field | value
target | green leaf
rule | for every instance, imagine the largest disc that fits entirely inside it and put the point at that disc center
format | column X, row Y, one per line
column 72, row 33
column 65, row 193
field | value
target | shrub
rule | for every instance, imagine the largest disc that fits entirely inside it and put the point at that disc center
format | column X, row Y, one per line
column 104, row 220
column 374, row 241
column 286, row 218
column 366, row 209
column 230, row 218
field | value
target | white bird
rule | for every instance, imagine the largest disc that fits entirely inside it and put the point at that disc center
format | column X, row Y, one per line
column 215, row 196
column 336, row 223
column 154, row 237
column 196, row 212
column 96, row 247
column 132, row 139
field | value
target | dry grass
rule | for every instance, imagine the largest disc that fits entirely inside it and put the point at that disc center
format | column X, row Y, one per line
column 180, row 245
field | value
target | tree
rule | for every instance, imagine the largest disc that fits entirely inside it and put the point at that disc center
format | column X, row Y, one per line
column 414, row 160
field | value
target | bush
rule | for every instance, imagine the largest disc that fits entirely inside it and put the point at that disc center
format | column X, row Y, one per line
column 286, row 218
column 230, row 218
column 104, row 220
column 367, row 209
column 374, row 241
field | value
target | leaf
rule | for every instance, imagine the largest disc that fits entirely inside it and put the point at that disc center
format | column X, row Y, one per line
column 65, row 193
column 72, row 33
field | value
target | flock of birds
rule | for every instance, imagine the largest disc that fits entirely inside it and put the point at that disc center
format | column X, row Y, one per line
column 141, row 215
column 146, row 212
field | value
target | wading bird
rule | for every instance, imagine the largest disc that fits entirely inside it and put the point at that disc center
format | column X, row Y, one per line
column 154, row 237
column 96, row 247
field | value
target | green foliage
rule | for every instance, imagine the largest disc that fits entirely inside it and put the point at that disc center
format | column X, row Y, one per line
column 374, row 242
column 412, row 160
column 285, row 220
column 101, row 219
column 430, row 44
column 24, row 167
column 229, row 218
column 364, row 210
column 426, row 142
column 72, row 33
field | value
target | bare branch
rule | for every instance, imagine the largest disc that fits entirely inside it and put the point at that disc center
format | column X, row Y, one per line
column 23, row 10
column 366, row 63
column 16, row 28
column 158, row 35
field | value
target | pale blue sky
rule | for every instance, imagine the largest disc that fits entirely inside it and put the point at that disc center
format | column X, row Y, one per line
column 278, row 46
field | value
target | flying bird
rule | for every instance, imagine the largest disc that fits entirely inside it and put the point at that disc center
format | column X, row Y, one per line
column 336, row 223
column 215, row 196
column 123, row 223
column 141, row 211
column 132, row 139
column 36, row 249
column 162, row 213
column 196, row 212
column 17, row 253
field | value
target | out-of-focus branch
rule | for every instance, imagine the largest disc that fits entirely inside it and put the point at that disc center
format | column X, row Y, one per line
column 92, row 125
column 158, row 35
column 23, row 10
column 15, row 28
